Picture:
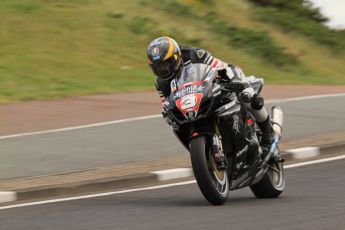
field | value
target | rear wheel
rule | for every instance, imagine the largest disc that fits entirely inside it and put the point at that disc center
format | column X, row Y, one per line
column 273, row 182
column 213, row 182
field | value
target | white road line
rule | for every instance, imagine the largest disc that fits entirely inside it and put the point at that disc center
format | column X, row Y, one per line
column 153, row 187
column 153, row 116
column 315, row 162
column 82, row 126
column 305, row 98
column 96, row 195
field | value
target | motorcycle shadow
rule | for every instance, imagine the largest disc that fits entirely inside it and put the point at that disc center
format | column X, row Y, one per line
column 190, row 201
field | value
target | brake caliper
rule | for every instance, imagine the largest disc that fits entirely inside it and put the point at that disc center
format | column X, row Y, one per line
column 218, row 153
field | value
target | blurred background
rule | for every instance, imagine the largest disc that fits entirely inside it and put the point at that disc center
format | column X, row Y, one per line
column 79, row 113
column 55, row 49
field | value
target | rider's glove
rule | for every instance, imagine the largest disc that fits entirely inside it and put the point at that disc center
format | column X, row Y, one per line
column 166, row 117
column 257, row 102
column 247, row 95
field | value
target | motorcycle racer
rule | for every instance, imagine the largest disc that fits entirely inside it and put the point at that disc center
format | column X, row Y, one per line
column 167, row 60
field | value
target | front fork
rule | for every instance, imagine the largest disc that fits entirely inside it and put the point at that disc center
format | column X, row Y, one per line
column 217, row 148
column 215, row 139
column 218, row 153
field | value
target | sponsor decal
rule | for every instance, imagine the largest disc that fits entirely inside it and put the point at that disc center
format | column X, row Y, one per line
column 218, row 64
column 250, row 122
column 155, row 52
column 188, row 97
column 157, row 41
column 173, row 86
column 222, row 65
column 214, row 63
column 189, row 103
column 200, row 53
column 189, row 90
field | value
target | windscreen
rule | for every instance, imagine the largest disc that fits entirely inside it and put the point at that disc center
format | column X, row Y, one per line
column 190, row 88
column 195, row 73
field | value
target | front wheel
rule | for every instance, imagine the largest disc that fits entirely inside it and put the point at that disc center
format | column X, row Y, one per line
column 213, row 182
column 273, row 182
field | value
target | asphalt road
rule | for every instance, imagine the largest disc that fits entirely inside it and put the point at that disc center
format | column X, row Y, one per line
column 141, row 140
column 314, row 199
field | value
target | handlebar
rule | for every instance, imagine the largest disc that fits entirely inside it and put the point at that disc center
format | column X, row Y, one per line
column 246, row 93
column 236, row 87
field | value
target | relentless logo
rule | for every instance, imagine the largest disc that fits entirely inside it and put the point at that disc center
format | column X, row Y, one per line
column 200, row 53
column 189, row 90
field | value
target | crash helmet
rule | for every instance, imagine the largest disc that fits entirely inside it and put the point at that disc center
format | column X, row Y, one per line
column 164, row 57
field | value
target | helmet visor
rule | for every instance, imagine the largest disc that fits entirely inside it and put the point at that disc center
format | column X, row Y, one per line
column 164, row 69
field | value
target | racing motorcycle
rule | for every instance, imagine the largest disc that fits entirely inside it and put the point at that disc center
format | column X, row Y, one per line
column 212, row 122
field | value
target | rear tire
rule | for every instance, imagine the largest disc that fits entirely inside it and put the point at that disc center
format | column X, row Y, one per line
column 272, row 184
column 213, row 183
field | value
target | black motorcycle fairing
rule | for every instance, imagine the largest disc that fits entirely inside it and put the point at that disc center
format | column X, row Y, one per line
column 216, row 112
column 242, row 146
column 183, row 136
column 197, row 81
column 229, row 108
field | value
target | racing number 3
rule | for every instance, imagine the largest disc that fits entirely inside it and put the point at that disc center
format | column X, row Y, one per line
column 188, row 101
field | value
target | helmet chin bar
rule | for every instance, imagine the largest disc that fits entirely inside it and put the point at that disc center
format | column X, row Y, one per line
column 170, row 77
column 175, row 74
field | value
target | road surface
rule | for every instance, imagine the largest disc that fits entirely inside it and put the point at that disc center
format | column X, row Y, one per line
column 314, row 199
column 141, row 140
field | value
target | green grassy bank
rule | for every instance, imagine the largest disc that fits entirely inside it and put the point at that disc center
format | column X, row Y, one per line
column 53, row 49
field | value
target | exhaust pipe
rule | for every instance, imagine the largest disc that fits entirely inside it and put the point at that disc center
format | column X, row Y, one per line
column 277, row 119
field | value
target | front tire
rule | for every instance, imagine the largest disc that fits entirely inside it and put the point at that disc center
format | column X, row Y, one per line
column 272, row 184
column 213, row 182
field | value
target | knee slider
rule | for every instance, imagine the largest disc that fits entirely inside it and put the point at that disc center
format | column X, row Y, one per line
column 257, row 102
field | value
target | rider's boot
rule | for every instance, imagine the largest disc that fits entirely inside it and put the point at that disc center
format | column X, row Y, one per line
column 267, row 134
column 256, row 107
